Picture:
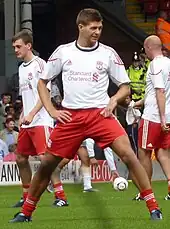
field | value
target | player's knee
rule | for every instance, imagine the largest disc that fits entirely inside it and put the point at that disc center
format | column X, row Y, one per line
column 83, row 155
column 64, row 162
column 143, row 154
column 85, row 162
column 161, row 156
column 47, row 167
column 21, row 160
column 129, row 157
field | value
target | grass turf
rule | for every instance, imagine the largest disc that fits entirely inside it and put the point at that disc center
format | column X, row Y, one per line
column 106, row 209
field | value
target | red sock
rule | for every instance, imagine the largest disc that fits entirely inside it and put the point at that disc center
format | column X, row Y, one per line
column 149, row 197
column 59, row 191
column 168, row 186
column 25, row 188
column 29, row 206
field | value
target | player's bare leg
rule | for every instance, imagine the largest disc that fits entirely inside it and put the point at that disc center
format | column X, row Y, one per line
column 144, row 157
column 39, row 183
column 60, row 196
column 26, row 176
column 123, row 149
column 163, row 157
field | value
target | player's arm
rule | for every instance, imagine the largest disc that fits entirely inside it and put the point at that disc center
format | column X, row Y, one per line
column 158, row 83
column 45, row 96
column 90, row 150
column 161, row 101
column 52, row 69
column 20, row 119
column 118, row 75
column 122, row 93
column 90, row 147
column 38, row 106
column 139, row 104
column 29, row 118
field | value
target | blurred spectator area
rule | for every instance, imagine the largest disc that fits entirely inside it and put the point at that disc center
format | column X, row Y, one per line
column 143, row 13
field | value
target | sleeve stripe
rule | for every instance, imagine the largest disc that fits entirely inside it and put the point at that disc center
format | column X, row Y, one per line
column 50, row 60
column 154, row 74
column 118, row 63
column 41, row 65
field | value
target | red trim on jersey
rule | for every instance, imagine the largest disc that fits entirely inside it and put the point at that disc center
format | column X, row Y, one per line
column 50, row 60
column 118, row 59
column 41, row 65
column 60, row 47
column 118, row 63
column 154, row 74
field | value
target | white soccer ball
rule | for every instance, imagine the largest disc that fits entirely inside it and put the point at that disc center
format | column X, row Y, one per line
column 120, row 184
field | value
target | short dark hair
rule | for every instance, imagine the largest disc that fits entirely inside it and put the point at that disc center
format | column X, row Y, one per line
column 7, row 108
column 25, row 35
column 8, row 120
column 88, row 15
column 6, row 94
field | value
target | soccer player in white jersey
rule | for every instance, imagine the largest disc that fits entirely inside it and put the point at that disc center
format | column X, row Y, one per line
column 35, row 122
column 108, row 155
column 154, row 129
column 86, row 66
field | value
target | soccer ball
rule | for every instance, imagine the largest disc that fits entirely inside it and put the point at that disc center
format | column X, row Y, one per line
column 120, row 184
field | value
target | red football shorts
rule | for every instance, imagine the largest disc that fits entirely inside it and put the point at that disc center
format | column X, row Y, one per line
column 66, row 139
column 33, row 141
column 151, row 136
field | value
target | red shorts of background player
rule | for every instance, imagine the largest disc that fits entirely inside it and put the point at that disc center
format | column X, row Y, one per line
column 33, row 141
column 151, row 136
column 66, row 139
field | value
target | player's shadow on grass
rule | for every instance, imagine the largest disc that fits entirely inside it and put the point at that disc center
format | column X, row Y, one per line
column 99, row 209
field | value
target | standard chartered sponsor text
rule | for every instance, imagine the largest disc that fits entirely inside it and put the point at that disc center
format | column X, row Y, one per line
column 79, row 76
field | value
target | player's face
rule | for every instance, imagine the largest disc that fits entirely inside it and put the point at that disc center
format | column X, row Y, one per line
column 148, row 51
column 21, row 49
column 91, row 32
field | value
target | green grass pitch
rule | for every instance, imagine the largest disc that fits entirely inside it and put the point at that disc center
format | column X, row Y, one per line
column 106, row 209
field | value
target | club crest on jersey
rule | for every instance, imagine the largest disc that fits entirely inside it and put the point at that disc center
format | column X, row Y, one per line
column 69, row 62
column 30, row 76
column 99, row 65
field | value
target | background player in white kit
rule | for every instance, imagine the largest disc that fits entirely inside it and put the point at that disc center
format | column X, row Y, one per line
column 108, row 152
column 154, row 129
column 86, row 66
column 35, row 122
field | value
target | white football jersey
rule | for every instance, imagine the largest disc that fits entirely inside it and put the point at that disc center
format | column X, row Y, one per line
column 158, row 76
column 85, row 74
column 29, row 74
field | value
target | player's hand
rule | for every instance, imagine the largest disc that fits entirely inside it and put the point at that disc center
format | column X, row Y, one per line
column 93, row 161
column 62, row 116
column 165, row 128
column 108, row 111
column 27, row 119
